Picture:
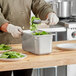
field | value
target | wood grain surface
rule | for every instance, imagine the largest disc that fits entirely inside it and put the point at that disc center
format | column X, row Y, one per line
column 56, row 58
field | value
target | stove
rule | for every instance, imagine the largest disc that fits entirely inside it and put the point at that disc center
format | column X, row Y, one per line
column 70, row 24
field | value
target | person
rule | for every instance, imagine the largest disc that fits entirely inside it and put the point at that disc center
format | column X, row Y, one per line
column 15, row 16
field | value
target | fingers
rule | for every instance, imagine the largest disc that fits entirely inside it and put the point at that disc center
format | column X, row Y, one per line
column 17, row 32
column 53, row 19
column 20, row 29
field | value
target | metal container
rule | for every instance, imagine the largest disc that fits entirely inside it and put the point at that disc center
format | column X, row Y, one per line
column 64, row 9
column 40, row 44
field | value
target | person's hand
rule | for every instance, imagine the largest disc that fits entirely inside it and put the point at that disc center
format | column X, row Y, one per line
column 52, row 19
column 15, row 31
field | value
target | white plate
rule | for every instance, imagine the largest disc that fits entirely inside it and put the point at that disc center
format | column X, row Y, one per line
column 67, row 46
column 13, row 59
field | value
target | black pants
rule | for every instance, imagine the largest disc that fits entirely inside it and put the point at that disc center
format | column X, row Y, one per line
column 27, row 72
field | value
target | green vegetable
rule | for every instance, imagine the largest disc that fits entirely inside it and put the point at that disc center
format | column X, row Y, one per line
column 4, row 56
column 33, row 26
column 40, row 33
column 4, row 47
column 11, row 54
column 34, row 18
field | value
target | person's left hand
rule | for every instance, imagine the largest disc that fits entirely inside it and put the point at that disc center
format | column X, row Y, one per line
column 52, row 19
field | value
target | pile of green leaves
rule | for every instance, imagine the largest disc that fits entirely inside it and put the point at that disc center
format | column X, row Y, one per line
column 4, row 47
column 40, row 33
column 33, row 26
column 11, row 54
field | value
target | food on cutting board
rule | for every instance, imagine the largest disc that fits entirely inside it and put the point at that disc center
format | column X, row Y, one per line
column 40, row 33
column 11, row 54
column 4, row 47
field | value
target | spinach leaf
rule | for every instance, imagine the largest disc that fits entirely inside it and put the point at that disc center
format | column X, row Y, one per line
column 40, row 33
column 33, row 26
column 11, row 54
column 4, row 47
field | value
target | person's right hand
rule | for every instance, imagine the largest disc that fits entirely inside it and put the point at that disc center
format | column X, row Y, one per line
column 15, row 31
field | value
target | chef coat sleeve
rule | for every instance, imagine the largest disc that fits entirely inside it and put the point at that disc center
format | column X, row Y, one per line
column 2, row 19
column 41, row 9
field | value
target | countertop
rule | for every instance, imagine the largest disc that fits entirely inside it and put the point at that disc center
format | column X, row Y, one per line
column 56, row 58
